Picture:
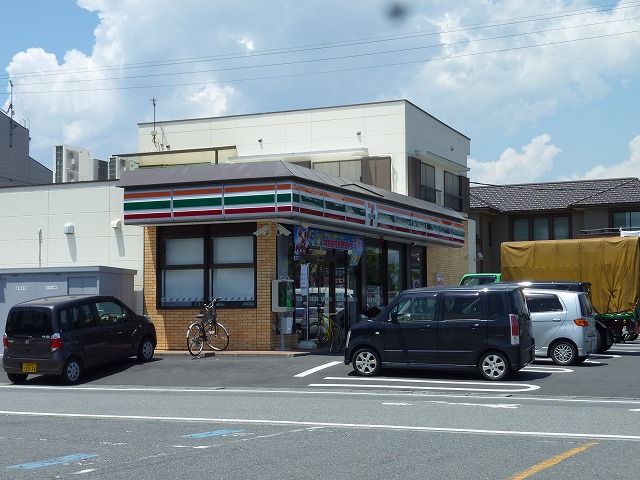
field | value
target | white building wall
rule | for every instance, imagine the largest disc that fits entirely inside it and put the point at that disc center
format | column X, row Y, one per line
column 312, row 133
column 32, row 233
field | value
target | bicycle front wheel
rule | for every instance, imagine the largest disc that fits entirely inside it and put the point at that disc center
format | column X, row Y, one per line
column 217, row 336
column 324, row 335
column 194, row 339
column 336, row 341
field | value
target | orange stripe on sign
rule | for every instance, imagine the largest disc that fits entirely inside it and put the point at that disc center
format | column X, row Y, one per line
column 147, row 194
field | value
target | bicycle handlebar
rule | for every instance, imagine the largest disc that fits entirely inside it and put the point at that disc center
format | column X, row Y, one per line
column 214, row 303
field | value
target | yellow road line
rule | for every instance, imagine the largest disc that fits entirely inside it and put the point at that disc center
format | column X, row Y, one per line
column 538, row 467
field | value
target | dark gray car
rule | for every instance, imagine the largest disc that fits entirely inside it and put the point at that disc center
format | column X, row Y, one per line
column 486, row 327
column 65, row 335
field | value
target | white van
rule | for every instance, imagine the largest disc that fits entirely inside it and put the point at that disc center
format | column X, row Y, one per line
column 564, row 327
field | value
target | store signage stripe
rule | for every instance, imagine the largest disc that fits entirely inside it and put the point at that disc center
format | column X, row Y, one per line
column 198, row 213
column 334, row 216
column 238, row 200
column 284, row 197
column 151, row 205
column 240, row 211
column 146, row 194
column 135, row 216
column 249, row 188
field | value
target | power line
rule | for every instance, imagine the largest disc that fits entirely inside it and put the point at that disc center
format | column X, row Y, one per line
column 333, row 45
column 344, row 57
column 341, row 70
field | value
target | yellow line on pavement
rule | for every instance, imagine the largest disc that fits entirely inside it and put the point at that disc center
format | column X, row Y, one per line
column 538, row 467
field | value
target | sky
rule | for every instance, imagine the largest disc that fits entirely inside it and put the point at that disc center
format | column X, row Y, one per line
column 546, row 90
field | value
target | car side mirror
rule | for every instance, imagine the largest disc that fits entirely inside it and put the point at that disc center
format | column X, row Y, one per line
column 393, row 316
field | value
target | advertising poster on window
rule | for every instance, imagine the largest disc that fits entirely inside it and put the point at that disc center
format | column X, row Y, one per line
column 312, row 238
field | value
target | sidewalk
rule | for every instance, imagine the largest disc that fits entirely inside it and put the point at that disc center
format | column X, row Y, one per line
column 255, row 353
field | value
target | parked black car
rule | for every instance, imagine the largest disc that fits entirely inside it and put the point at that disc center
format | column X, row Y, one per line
column 486, row 327
column 65, row 335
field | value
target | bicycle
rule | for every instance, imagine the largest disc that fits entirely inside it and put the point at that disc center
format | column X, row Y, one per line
column 207, row 330
column 329, row 332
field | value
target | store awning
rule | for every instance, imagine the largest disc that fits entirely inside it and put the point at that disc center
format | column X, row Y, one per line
column 278, row 190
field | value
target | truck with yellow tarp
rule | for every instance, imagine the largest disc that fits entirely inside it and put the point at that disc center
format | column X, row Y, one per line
column 610, row 264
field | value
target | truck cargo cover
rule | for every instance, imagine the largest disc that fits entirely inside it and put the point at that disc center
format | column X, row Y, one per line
column 611, row 264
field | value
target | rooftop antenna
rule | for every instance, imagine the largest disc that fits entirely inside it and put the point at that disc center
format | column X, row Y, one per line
column 153, row 132
column 10, row 108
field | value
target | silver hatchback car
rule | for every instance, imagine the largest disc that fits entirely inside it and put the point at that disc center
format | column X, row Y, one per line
column 564, row 327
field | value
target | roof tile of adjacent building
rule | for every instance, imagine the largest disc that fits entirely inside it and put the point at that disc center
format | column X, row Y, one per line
column 556, row 195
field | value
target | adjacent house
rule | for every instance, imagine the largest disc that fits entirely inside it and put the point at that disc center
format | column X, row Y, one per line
column 554, row 210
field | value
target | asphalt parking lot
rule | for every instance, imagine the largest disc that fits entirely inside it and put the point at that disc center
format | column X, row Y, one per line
column 608, row 375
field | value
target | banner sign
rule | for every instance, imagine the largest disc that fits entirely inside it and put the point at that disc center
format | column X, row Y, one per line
column 306, row 238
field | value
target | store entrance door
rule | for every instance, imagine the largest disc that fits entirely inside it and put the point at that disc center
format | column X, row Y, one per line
column 332, row 283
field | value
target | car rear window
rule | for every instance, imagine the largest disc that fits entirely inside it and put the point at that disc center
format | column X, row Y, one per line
column 544, row 303
column 519, row 302
column 33, row 323
column 586, row 308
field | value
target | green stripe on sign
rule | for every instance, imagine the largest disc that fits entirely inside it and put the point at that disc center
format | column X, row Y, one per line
column 150, row 205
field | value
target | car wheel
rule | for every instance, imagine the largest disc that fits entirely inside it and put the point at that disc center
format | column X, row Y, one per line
column 494, row 366
column 71, row 371
column 145, row 350
column 366, row 362
column 564, row 353
column 17, row 377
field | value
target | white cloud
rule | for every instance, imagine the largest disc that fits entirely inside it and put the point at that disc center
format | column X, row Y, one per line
column 535, row 160
column 147, row 49
column 627, row 168
column 561, row 71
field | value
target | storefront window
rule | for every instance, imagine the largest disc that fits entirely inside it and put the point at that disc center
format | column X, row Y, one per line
column 394, row 273
column 183, row 276
column 198, row 264
column 233, row 271
column 374, row 277
column 417, row 267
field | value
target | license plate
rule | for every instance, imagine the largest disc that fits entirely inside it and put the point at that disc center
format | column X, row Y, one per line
column 28, row 368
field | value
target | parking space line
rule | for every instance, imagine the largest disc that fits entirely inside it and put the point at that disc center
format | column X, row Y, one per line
column 317, row 369
column 417, row 384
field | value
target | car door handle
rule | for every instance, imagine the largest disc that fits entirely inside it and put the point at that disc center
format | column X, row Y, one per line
column 475, row 325
column 556, row 319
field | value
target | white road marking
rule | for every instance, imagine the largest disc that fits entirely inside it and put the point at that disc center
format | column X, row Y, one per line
column 413, row 428
column 545, row 369
column 317, row 369
column 419, row 384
